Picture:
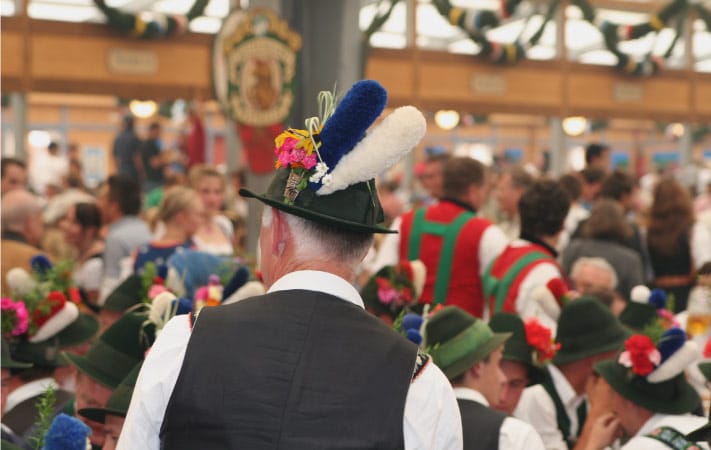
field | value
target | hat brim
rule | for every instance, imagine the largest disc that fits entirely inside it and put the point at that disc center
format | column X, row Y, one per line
column 78, row 332
column 9, row 363
column 354, row 195
column 99, row 414
column 84, row 365
column 563, row 357
column 124, row 295
column 536, row 374
column 674, row 396
column 463, row 364
column 705, row 369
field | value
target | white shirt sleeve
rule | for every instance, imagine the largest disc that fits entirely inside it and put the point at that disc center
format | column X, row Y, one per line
column 700, row 245
column 89, row 274
column 517, row 435
column 389, row 251
column 155, row 386
column 527, row 306
column 537, row 408
column 492, row 243
column 432, row 419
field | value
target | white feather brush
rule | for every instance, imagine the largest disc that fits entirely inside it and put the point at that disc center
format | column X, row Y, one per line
column 398, row 133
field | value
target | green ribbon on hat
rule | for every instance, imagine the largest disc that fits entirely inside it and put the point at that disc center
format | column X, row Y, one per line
column 471, row 338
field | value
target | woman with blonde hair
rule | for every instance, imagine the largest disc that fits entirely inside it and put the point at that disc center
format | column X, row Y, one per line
column 180, row 212
column 215, row 233
column 677, row 244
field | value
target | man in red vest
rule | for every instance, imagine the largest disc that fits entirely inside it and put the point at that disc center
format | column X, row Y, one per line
column 525, row 278
column 454, row 244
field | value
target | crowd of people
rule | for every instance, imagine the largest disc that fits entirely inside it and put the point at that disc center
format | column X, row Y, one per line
column 505, row 308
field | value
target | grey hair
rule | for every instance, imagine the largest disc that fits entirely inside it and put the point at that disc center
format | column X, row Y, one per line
column 317, row 241
column 599, row 263
column 16, row 208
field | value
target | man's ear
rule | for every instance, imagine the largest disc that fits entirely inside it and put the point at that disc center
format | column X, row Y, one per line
column 280, row 232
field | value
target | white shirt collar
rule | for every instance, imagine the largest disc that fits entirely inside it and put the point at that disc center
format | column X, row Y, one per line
column 28, row 390
column 315, row 280
column 651, row 424
column 466, row 393
column 567, row 394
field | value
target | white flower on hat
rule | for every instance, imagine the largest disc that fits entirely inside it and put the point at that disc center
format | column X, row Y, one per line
column 640, row 294
column 20, row 281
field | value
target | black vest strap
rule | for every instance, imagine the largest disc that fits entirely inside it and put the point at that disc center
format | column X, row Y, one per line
column 290, row 370
column 672, row 438
column 481, row 426
column 561, row 415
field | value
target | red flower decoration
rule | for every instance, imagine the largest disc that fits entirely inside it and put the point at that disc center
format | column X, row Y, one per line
column 54, row 302
column 640, row 354
column 707, row 349
column 541, row 339
column 157, row 280
column 74, row 295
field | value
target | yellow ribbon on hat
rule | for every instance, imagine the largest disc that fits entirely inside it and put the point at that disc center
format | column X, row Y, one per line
column 139, row 26
column 454, row 15
column 656, row 22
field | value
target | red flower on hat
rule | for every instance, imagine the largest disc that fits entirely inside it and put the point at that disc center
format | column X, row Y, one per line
column 541, row 339
column 640, row 354
column 74, row 295
column 52, row 304
column 707, row 349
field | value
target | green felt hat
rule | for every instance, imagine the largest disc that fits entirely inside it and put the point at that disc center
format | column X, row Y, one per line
column 457, row 340
column 81, row 330
column 516, row 347
column 117, row 351
column 117, row 404
column 673, row 396
column 636, row 316
column 343, row 196
column 7, row 362
column 43, row 354
column 407, row 278
column 586, row 328
column 705, row 368
column 125, row 295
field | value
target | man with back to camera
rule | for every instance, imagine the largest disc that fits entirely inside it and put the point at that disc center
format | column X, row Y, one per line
column 308, row 367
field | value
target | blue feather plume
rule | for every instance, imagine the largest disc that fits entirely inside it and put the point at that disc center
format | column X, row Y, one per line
column 658, row 299
column 66, row 433
column 40, row 264
column 672, row 340
column 411, row 321
column 360, row 107
column 185, row 306
column 414, row 336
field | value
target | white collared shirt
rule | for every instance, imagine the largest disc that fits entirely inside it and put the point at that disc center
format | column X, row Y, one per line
column 683, row 423
column 27, row 391
column 431, row 418
column 536, row 407
column 514, row 433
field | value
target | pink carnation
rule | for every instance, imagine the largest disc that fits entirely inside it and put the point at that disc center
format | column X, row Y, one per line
column 155, row 290
column 23, row 319
column 310, row 161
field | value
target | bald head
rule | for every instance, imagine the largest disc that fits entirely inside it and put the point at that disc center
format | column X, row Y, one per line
column 21, row 213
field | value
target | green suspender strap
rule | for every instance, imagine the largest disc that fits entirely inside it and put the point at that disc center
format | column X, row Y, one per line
column 500, row 287
column 672, row 438
column 449, row 232
column 562, row 418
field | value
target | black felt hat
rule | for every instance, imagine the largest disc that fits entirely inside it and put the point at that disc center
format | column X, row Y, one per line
column 326, row 173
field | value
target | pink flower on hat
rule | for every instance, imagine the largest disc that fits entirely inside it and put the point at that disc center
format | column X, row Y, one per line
column 15, row 318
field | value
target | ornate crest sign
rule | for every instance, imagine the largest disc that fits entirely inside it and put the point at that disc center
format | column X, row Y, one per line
column 254, row 63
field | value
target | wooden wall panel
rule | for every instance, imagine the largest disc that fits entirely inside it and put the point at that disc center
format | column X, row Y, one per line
column 13, row 61
column 396, row 75
column 702, row 97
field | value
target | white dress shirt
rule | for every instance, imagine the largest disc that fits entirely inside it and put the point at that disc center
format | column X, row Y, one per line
column 683, row 424
column 514, row 433
column 431, row 418
column 536, row 407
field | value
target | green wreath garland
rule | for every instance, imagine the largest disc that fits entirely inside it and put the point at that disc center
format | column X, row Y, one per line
column 160, row 26
column 475, row 23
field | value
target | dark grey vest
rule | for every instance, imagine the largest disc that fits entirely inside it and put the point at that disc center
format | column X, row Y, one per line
column 290, row 370
column 480, row 425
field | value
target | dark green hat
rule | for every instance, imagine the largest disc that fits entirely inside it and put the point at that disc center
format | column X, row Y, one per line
column 586, row 328
column 457, row 340
column 126, row 294
column 402, row 278
column 7, row 362
column 81, row 330
column 673, row 396
column 700, row 434
column 117, row 404
column 41, row 354
column 516, row 347
column 705, row 368
column 344, row 195
column 637, row 316
column 117, row 351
